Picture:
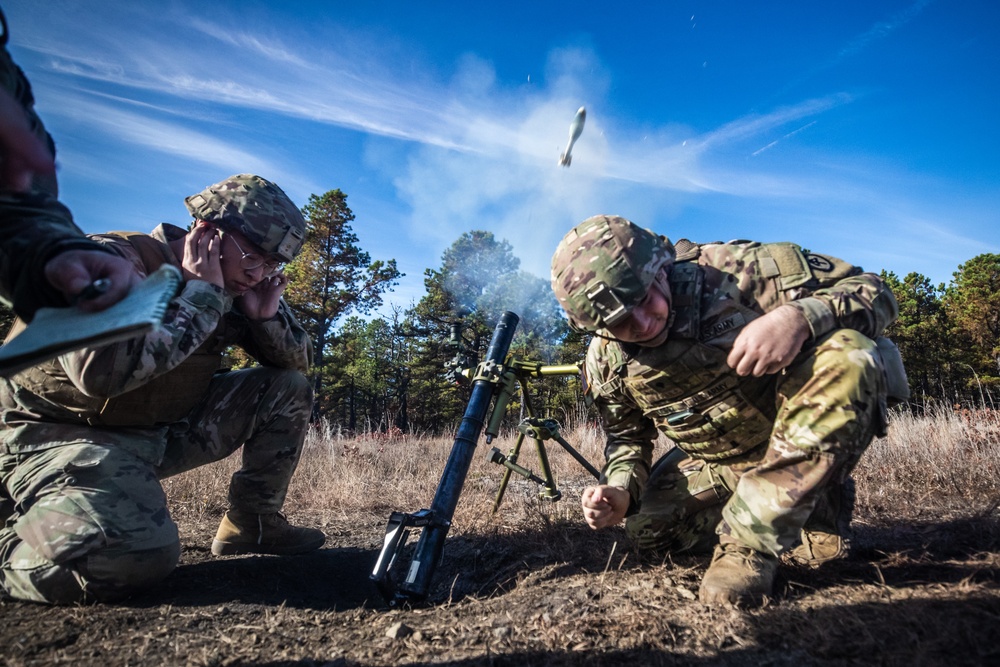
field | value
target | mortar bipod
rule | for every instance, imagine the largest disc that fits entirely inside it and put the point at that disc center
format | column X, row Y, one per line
column 539, row 430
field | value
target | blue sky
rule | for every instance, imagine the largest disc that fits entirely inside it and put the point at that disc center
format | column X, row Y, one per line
column 861, row 129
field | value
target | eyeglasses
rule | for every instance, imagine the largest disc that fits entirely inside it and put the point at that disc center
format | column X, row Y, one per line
column 251, row 261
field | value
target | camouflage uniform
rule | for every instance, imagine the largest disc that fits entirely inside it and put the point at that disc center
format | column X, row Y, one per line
column 87, row 437
column 757, row 459
column 34, row 226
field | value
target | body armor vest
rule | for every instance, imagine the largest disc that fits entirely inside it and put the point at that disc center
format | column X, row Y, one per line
column 685, row 385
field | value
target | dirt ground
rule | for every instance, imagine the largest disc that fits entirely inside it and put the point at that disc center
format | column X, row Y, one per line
column 913, row 593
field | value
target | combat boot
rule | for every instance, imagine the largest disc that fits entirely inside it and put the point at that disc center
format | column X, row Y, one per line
column 738, row 575
column 248, row 533
column 819, row 547
column 826, row 535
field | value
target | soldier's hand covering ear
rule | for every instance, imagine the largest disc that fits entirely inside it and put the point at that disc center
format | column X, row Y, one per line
column 769, row 343
column 261, row 302
column 202, row 255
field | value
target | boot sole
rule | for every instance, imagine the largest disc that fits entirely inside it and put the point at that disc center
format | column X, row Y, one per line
column 234, row 549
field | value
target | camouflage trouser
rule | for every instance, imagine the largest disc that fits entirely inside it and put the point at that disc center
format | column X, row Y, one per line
column 831, row 403
column 90, row 521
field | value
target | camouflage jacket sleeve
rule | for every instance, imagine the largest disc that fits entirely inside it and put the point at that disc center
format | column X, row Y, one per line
column 828, row 292
column 630, row 434
column 33, row 229
column 280, row 341
column 861, row 302
column 192, row 316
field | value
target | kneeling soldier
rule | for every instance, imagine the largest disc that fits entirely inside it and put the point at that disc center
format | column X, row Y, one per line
column 759, row 362
column 86, row 438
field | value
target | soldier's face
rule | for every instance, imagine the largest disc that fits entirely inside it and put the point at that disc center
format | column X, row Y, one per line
column 647, row 322
column 237, row 252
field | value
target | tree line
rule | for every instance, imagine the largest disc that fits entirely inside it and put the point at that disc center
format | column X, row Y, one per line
column 374, row 374
column 386, row 372
column 949, row 335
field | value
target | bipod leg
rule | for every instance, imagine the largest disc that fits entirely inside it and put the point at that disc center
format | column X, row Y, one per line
column 577, row 455
column 512, row 458
column 540, row 431
column 549, row 490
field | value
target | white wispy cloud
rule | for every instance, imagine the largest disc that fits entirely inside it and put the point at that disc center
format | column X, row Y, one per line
column 468, row 152
column 131, row 127
column 325, row 86
column 881, row 30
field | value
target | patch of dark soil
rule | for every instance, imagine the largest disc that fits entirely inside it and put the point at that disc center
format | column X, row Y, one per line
column 940, row 537
column 895, row 630
column 476, row 565
column 910, row 594
column 329, row 579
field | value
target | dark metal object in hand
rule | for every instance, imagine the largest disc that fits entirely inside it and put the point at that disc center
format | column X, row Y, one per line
column 93, row 290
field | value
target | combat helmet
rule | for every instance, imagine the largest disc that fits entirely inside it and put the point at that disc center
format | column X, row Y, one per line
column 603, row 268
column 255, row 207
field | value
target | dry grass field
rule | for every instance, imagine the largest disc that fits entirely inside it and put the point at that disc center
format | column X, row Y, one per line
column 531, row 585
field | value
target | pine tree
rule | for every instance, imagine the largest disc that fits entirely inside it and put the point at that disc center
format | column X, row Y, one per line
column 973, row 305
column 332, row 277
column 478, row 280
column 921, row 333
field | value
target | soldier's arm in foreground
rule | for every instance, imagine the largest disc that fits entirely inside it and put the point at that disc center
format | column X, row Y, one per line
column 46, row 261
column 630, row 441
column 837, row 295
column 44, row 258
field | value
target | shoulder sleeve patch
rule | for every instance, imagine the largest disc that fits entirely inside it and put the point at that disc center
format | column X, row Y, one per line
column 793, row 268
column 819, row 263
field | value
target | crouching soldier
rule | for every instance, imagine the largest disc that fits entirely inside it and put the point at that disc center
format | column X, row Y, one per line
column 86, row 438
column 759, row 361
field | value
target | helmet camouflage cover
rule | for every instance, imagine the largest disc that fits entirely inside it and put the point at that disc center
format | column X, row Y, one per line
column 255, row 207
column 603, row 268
